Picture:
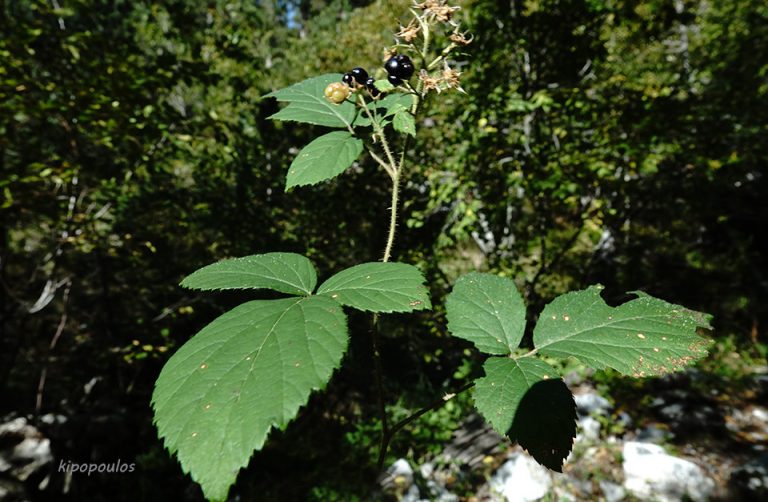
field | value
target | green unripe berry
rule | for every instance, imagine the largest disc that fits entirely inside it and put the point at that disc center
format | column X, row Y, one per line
column 337, row 92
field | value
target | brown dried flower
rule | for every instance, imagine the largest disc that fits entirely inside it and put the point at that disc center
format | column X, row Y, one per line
column 430, row 83
column 451, row 77
column 461, row 38
column 438, row 9
column 409, row 33
column 388, row 53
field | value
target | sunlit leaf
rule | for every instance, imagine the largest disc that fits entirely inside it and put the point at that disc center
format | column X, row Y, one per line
column 379, row 287
column 488, row 311
column 284, row 272
column 324, row 158
column 643, row 337
column 307, row 103
column 250, row 370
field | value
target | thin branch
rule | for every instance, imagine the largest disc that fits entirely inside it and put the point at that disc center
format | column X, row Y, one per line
column 57, row 334
column 437, row 403
column 381, row 162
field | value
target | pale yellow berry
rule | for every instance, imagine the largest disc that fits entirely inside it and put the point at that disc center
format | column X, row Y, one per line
column 337, row 92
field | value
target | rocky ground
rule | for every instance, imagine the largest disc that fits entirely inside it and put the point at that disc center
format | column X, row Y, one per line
column 690, row 437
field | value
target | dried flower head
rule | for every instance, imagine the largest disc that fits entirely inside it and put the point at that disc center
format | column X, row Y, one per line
column 430, row 83
column 450, row 78
column 409, row 33
column 461, row 38
column 388, row 53
column 438, row 9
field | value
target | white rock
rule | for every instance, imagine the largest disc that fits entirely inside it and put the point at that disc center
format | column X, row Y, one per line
column 401, row 467
column 590, row 429
column 650, row 473
column 521, row 479
column 760, row 414
column 611, row 491
column 412, row 495
column 591, row 403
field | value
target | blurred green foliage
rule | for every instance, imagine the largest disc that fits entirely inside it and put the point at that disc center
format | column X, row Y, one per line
column 611, row 141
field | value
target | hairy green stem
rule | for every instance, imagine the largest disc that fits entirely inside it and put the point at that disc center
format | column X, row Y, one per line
column 395, row 169
column 393, row 215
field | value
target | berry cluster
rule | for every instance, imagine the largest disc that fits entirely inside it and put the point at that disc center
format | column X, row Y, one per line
column 359, row 76
column 399, row 68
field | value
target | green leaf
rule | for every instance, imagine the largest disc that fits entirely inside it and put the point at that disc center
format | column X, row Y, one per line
column 383, row 85
column 250, row 370
column 404, row 122
column 506, row 380
column 383, row 108
column 284, row 272
column 324, row 158
column 307, row 103
column 379, row 287
column 488, row 311
column 526, row 399
column 545, row 423
column 393, row 103
column 643, row 337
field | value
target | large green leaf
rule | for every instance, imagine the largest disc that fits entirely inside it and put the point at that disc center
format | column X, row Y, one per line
column 545, row 423
column 488, row 311
column 285, row 272
column 506, row 380
column 379, row 287
column 250, row 370
column 527, row 400
column 307, row 103
column 324, row 158
column 643, row 337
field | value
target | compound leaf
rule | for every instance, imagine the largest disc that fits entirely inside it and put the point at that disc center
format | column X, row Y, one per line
column 488, row 311
column 526, row 399
column 379, row 287
column 220, row 394
column 284, row 272
column 324, row 158
column 307, row 103
column 643, row 337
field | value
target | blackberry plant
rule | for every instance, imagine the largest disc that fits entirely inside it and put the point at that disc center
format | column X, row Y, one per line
column 251, row 369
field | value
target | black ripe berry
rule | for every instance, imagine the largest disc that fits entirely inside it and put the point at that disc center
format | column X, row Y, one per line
column 392, row 65
column 399, row 66
column 347, row 79
column 394, row 80
column 369, row 83
column 360, row 75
